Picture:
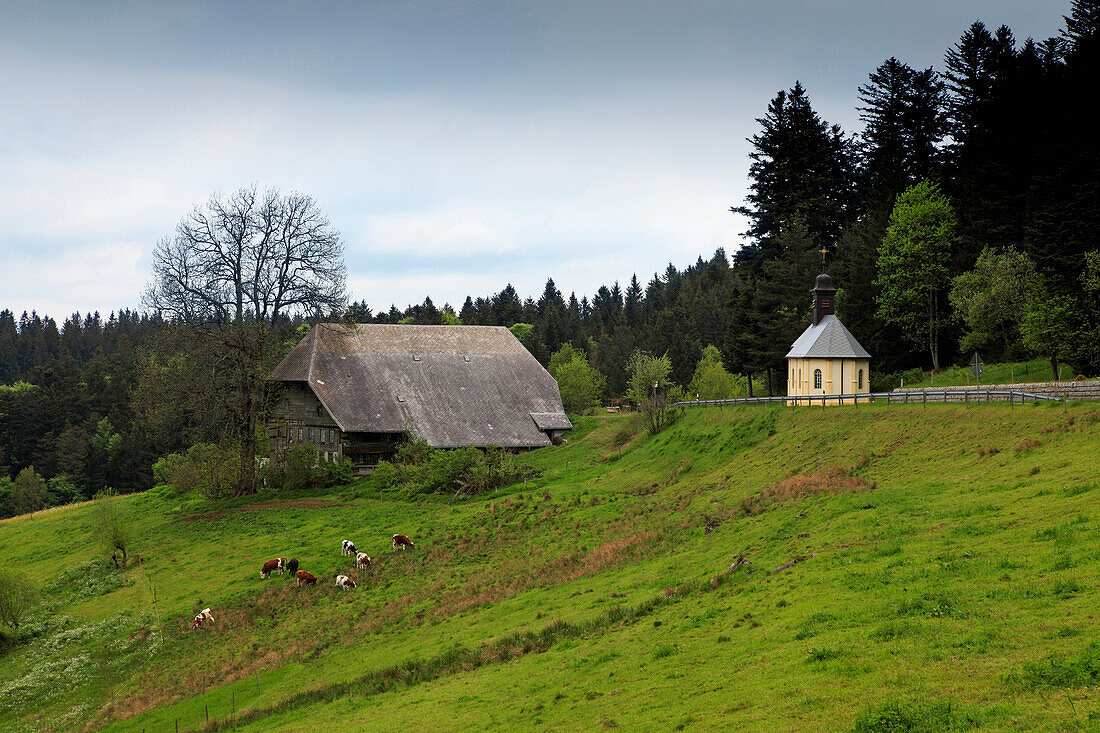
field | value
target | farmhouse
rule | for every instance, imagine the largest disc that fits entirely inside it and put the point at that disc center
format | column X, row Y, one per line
column 358, row 390
column 826, row 359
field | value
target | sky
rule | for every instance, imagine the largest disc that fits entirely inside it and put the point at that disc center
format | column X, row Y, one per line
column 457, row 146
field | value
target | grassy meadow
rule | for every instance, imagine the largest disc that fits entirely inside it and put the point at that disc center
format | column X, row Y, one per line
column 1020, row 372
column 874, row 568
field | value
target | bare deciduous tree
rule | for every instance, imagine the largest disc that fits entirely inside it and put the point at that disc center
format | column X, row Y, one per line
column 235, row 268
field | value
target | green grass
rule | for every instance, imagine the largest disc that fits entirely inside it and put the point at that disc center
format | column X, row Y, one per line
column 944, row 586
column 1036, row 370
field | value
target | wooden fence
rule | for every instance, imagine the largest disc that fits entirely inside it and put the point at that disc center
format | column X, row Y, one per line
column 906, row 397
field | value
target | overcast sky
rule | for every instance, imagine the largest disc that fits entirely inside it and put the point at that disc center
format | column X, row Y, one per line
column 457, row 146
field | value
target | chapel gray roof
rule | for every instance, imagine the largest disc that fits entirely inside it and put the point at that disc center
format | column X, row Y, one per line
column 828, row 339
column 450, row 385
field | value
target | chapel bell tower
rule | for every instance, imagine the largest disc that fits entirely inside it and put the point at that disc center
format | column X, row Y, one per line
column 824, row 293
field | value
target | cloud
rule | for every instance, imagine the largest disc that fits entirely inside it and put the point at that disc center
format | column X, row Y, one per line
column 102, row 277
column 461, row 230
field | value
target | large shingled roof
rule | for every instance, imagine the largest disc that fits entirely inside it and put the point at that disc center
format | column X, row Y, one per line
column 828, row 339
column 450, row 385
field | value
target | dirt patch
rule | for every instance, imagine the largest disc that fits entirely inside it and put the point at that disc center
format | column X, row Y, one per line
column 833, row 479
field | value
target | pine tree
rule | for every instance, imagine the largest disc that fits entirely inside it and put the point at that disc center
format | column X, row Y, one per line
column 802, row 172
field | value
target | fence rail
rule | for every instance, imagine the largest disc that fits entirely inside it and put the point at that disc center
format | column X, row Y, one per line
column 922, row 397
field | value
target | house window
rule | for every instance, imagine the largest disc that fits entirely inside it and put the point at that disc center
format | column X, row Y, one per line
column 311, row 434
column 299, row 435
column 817, row 379
column 861, row 379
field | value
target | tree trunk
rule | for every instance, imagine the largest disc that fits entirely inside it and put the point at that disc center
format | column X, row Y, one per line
column 750, row 384
column 769, row 374
column 1054, row 367
column 933, row 335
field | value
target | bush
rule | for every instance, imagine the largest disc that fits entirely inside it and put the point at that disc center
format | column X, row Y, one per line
column 165, row 468
column 915, row 717
column 17, row 597
column 112, row 525
column 301, row 468
column 1060, row 671
column 459, row 471
column 412, row 452
column 207, row 469
column 580, row 384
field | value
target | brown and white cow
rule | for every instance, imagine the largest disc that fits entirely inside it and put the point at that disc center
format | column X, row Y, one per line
column 202, row 618
column 305, row 578
column 402, row 541
column 278, row 563
column 343, row 581
column 362, row 561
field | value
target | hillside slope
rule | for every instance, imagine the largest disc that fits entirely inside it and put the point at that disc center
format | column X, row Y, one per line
column 947, row 573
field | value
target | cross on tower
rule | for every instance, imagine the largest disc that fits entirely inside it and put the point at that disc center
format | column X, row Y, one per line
column 824, row 251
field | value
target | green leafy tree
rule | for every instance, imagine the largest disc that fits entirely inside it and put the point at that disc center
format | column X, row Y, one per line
column 17, row 597
column 913, row 265
column 648, row 388
column 1049, row 327
column 524, row 332
column 28, row 492
column 711, row 381
column 580, row 384
column 990, row 299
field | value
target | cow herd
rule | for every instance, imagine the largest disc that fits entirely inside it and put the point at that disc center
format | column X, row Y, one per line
column 304, row 577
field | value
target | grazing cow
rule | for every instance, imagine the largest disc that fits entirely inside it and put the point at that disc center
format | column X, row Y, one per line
column 347, row 548
column 305, row 578
column 402, row 541
column 292, row 566
column 343, row 581
column 361, row 560
column 204, row 617
column 278, row 563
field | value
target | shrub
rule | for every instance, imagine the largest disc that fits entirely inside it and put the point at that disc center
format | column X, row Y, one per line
column 581, row 385
column 17, row 597
column 301, row 468
column 1082, row 670
column 413, row 452
column 112, row 525
column 336, row 473
column 165, row 468
column 386, row 476
column 465, row 470
column 915, row 717
column 207, row 469
column 648, row 387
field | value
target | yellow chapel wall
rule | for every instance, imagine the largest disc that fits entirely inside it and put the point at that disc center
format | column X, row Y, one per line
column 800, row 377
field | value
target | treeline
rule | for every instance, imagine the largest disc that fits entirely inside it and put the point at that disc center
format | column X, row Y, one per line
column 964, row 215
column 997, row 152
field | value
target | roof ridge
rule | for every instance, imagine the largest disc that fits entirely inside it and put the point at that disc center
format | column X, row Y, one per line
column 312, row 351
